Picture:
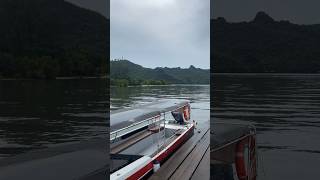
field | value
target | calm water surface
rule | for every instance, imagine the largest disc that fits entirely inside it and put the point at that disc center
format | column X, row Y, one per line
column 286, row 111
column 40, row 114
column 199, row 95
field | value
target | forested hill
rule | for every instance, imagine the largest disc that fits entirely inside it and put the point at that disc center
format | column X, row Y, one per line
column 136, row 74
column 50, row 38
column 264, row 45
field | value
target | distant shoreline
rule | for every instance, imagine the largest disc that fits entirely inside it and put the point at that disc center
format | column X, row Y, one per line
column 275, row 74
column 86, row 77
column 161, row 85
column 57, row 78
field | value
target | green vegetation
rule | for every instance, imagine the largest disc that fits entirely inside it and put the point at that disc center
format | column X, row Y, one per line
column 45, row 39
column 264, row 45
column 124, row 73
column 120, row 82
column 126, row 82
column 154, row 82
column 73, row 63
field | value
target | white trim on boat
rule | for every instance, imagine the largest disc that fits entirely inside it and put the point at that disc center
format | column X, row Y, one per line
column 130, row 169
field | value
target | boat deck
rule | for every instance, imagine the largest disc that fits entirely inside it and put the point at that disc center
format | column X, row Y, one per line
column 146, row 142
column 191, row 160
column 129, row 142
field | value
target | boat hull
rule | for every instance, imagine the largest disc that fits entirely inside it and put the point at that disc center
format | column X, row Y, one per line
column 163, row 155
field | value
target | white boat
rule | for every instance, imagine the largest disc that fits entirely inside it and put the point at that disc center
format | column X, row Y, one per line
column 143, row 138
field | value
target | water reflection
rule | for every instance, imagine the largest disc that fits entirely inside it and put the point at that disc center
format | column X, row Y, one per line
column 198, row 95
column 286, row 111
column 39, row 114
column 132, row 96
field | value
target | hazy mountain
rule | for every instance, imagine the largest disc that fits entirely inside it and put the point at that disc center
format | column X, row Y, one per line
column 39, row 36
column 264, row 45
column 124, row 69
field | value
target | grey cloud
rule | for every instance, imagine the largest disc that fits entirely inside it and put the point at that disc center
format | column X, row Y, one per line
column 161, row 32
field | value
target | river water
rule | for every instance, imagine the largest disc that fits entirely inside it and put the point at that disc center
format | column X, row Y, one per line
column 42, row 114
column 284, row 108
column 198, row 95
column 38, row 114
column 120, row 98
column 286, row 111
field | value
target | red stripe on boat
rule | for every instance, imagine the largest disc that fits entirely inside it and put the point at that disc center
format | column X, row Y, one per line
column 142, row 172
column 163, row 156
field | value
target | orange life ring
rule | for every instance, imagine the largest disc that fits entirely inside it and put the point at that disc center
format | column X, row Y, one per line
column 253, row 160
column 240, row 160
column 186, row 113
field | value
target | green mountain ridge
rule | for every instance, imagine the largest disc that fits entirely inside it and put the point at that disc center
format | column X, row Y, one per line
column 50, row 38
column 124, row 69
column 264, row 45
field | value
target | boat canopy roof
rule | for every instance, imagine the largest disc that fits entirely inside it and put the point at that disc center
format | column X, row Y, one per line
column 123, row 118
column 225, row 133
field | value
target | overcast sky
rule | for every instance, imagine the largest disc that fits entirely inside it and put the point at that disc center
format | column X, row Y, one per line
column 159, row 33
column 297, row 11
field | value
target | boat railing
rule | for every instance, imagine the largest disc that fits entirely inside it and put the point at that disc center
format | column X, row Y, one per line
column 164, row 116
column 135, row 126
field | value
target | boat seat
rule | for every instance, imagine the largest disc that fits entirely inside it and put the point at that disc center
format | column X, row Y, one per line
column 178, row 116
